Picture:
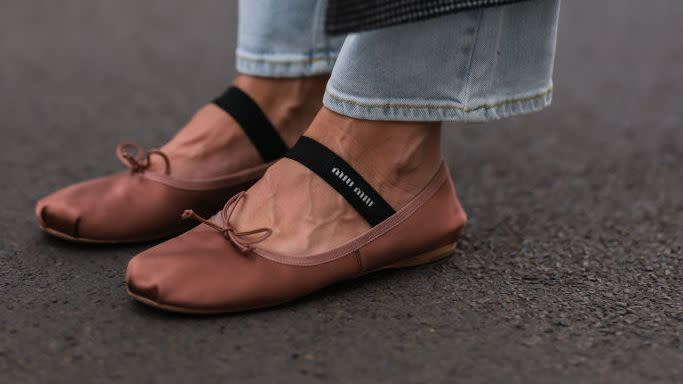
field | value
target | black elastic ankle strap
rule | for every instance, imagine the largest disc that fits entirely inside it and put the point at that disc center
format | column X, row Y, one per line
column 343, row 178
column 254, row 122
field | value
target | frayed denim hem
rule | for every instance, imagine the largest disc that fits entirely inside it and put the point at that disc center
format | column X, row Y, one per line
column 285, row 65
column 434, row 110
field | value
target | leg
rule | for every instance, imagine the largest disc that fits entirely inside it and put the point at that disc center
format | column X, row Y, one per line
column 387, row 94
column 284, row 39
column 313, row 220
column 472, row 66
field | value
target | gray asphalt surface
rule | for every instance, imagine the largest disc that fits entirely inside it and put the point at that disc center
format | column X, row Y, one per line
column 570, row 270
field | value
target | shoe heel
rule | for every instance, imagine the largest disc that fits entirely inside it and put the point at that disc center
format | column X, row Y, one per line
column 424, row 258
column 427, row 257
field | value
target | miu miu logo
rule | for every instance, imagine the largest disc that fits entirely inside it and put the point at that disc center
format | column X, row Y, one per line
column 347, row 180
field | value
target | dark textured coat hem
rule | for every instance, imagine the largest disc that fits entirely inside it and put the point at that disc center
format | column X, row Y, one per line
column 349, row 16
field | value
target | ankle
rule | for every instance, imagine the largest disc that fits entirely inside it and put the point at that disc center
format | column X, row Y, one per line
column 289, row 103
column 397, row 158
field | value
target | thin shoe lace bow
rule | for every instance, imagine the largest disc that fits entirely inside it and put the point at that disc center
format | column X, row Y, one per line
column 140, row 159
column 243, row 240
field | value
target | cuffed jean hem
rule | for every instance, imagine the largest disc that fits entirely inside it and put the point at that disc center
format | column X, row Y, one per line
column 285, row 65
column 434, row 110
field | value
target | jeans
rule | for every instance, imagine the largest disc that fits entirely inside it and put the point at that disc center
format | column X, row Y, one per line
column 476, row 65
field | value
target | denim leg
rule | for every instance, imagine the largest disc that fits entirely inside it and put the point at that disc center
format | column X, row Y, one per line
column 476, row 65
column 278, row 38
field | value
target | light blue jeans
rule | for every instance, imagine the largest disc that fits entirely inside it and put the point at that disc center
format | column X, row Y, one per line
column 471, row 66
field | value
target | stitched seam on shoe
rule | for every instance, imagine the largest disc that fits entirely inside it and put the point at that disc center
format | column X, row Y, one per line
column 356, row 254
column 76, row 228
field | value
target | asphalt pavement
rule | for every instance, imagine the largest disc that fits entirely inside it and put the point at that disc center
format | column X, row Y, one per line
column 570, row 270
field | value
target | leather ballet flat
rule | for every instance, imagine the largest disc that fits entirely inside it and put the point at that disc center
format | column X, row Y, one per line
column 140, row 205
column 217, row 268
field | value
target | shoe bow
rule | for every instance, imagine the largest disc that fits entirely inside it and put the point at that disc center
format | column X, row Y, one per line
column 243, row 240
column 139, row 160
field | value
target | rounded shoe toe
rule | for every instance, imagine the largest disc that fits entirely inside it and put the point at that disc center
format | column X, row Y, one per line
column 197, row 272
column 57, row 215
column 159, row 275
column 142, row 278
column 119, row 208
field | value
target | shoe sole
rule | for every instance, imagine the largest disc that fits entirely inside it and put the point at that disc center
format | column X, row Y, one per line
column 83, row 240
column 64, row 236
column 421, row 259
column 424, row 258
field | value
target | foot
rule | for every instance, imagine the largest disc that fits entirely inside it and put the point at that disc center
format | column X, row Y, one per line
column 292, row 234
column 308, row 216
column 210, row 159
column 212, row 143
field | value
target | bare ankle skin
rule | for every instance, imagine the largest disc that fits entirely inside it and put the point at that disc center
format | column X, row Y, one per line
column 212, row 144
column 289, row 103
column 306, row 215
column 397, row 158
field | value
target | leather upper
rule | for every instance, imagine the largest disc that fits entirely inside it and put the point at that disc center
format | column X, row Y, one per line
column 202, row 271
column 135, row 206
